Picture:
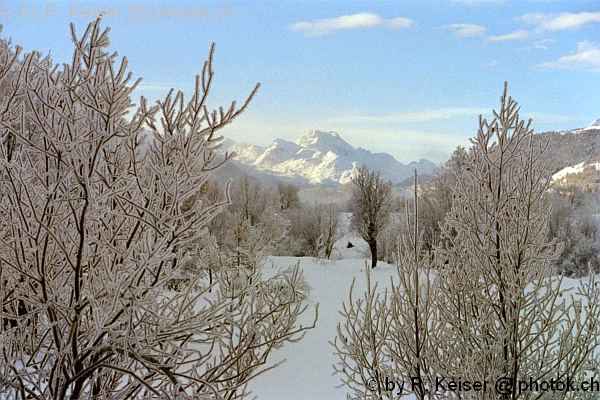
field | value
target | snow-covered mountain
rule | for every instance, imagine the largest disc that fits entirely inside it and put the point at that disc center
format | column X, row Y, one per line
column 575, row 169
column 318, row 158
column 594, row 125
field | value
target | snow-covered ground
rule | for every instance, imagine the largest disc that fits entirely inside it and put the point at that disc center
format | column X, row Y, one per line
column 307, row 372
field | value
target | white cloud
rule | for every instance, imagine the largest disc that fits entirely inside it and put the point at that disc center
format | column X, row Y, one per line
column 489, row 64
column 520, row 34
column 354, row 21
column 587, row 58
column 412, row 116
column 399, row 23
column 464, row 30
column 546, row 23
column 539, row 45
column 560, row 22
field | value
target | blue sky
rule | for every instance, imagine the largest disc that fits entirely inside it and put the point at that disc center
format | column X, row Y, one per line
column 406, row 77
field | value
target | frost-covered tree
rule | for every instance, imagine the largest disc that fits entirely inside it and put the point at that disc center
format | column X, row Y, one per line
column 413, row 333
column 251, row 199
column 370, row 205
column 436, row 197
column 11, row 66
column 250, row 228
column 389, row 238
column 504, row 313
column 392, row 336
column 316, row 229
column 486, row 305
column 249, row 243
column 97, row 219
column 575, row 221
column 288, row 196
column 360, row 345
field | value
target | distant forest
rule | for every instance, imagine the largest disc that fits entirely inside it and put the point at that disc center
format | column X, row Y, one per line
column 570, row 148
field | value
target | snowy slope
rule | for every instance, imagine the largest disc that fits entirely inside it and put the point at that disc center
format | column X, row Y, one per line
column 594, row 125
column 244, row 152
column 562, row 174
column 320, row 158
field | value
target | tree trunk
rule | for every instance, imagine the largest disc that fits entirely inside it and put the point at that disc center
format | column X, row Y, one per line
column 373, row 247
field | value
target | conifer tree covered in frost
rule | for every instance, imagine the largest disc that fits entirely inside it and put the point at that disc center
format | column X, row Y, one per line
column 97, row 219
column 487, row 306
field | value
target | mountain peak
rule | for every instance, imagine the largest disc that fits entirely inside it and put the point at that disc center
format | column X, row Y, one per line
column 312, row 137
column 319, row 157
column 593, row 126
column 324, row 141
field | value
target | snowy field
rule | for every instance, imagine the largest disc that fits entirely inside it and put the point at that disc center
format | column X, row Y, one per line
column 307, row 371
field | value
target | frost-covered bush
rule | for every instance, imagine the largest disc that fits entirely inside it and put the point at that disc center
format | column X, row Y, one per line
column 100, row 214
column 575, row 222
column 315, row 229
column 486, row 306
